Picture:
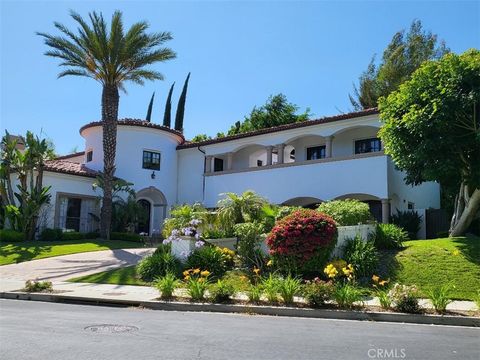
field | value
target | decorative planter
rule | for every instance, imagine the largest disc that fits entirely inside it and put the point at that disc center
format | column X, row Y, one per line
column 229, row 243
column 349, row 232
column 184, row 245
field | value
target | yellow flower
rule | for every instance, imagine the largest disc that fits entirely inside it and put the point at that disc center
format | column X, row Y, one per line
column 256, row 270
column 456, row 253
column 375, row 278
column 187, row 277
column 205, row 273
column 186, row 273
column 196, row 271
column 201, row 280
column 243, row 278
column 270, row 263
column 331, row 271
column 383, row 282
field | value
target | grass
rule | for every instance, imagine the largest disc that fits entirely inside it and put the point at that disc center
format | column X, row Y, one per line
column 16, row 252
column 430, row 263
column 121, row 276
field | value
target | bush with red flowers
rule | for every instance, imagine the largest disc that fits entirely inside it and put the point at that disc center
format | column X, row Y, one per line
column 302, row 242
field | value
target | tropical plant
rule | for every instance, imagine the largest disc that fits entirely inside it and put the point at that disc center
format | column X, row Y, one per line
column 362, row 254
column 316, row 292
column 166, row 285
column 167, row 116
column 302, row 242
column 197, row 283
column 408, row 220
column 440, row 101
column 181, row 216
column 404, row 54
column 111, row 57
column 404, row 298
column 439, row 296
column 389, row 236
column 181, row 106
column 236, row 209
column 249, row 244
column 347, row 294
column 288, row 287
column 157, row 265
column 212, row 258
column 346, row 212
column 127, row 214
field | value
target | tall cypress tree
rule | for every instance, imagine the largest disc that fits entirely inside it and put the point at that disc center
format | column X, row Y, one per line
column 167, row 116
column 181, row 106
column 150, row 106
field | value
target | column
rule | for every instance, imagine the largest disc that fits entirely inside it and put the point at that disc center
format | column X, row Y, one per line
column 385, row 211
column 328, row 146
column 280, row 153
column 208, row 164
column 269, row 155
column 229, row 160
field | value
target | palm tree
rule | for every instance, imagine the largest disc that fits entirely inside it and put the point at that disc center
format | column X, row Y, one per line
column 111, row 57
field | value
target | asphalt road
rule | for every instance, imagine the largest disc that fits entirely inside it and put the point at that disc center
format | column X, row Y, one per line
column 35, row 330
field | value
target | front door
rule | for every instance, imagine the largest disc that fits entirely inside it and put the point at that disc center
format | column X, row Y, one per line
column 144, row 226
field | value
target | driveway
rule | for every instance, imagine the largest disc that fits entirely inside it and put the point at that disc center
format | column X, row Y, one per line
column 61, row 268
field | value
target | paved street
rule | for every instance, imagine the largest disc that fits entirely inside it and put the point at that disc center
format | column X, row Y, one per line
column 69, row 266
column 35, row 330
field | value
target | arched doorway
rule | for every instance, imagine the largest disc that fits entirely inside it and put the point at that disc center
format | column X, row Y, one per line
column 144, row 225
column 305, row 202
column 157, row 206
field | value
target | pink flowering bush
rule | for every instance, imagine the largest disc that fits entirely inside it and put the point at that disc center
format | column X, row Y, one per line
column 302, row 242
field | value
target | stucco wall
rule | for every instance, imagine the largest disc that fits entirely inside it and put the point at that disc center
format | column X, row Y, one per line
column 190, row 176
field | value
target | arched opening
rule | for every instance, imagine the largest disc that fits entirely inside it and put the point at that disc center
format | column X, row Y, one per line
column 143, row 226
column 305, row 147
column 303, row 201
column 373, row 202
column 157, row 208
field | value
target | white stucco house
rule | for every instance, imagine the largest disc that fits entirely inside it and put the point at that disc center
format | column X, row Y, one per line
column 302, row 164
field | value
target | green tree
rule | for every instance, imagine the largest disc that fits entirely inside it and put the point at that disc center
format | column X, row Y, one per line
column 405, row 53
column 167, row 116
column 112, row 57
column 276, row 111
column 432, row 130
column 201, row 137
column 150, row 107
column 181, row 106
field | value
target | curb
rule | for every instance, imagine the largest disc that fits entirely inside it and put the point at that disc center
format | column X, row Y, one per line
column 254, row 310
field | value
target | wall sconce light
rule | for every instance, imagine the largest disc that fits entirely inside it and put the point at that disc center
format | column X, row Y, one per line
column 152, row 175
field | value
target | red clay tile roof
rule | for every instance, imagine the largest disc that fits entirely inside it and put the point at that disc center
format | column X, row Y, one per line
column 323, row 120
column 64, row 157
column 136, row 122
column 68, row 167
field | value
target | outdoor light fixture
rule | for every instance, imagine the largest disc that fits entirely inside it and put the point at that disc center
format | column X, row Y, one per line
column 152, row 175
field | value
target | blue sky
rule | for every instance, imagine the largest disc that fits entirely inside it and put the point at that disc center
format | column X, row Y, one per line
column 239, row 53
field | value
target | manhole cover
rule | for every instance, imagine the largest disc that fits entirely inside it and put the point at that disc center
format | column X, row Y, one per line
column 110, row 328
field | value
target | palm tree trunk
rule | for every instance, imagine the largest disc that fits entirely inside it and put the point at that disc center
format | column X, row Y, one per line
column 110, row 99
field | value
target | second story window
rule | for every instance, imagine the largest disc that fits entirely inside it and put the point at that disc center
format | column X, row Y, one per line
column 218, row 165
column 151, row 160
column 89, row 155
column 316, row 152
column 367, row 145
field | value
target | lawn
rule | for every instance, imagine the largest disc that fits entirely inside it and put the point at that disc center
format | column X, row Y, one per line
column 429, row 263
column 120, row 276
column 11, row 253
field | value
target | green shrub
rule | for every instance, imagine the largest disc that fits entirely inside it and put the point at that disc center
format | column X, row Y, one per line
column 389, row 236
column 212, row 258
column 408, row 220
column 362, row 255
column 284, row 211
column 288, row 288
column 403, row 298
column 157, row 265
column 222, row 291
column 38, row 286
column 439, row 296
column 346, row 212
column 48, row 234
column 8, row 235
column 254, row 293
column 302, row 242
column 383, row 298
column 196, row 288
column 270, row 288
column 477, row 299
column 73, row 235
column 167, row 285
column 126, row 237
column 249, row 243
column 180, row 217
column 346, row 295
column 316, row 292
column 92, row 235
